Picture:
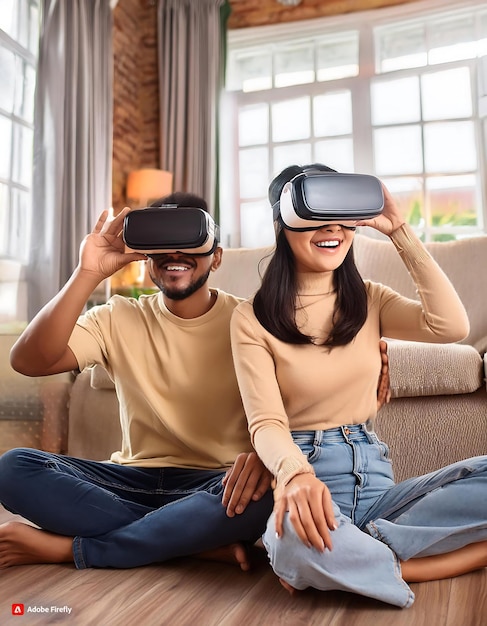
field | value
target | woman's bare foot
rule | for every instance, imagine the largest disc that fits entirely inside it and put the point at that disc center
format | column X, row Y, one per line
column 467, row 559
column 235, row 553
column 288, row 587
column 22, row 544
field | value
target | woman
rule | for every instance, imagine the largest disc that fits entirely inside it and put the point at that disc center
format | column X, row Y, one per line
column 305, row 351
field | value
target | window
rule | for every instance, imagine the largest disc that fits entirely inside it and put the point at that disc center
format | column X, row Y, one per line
column 18, row 51
column 397, row 96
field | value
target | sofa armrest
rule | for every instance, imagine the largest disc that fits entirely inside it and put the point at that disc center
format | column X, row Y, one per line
column 429, row 369
column 54, row 392
column 41, row 399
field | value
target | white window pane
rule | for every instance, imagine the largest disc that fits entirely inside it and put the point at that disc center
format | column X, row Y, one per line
column 336, row 153
column 33, row 42
column 27, row 110
column 452, row 200
column 332, row 114
column 24, row 91
column 4, row 213
column 7, row 72
column 294, row 66
column 6, row 142
column 292, row 154
column 449, row 147
column 291, row 120
column 26, row 29
column 253, row 125
column 400, row 47
column 482, row 42
column 397, row 150
column 395, row 101
column 8, row 17
column 338, row 58
column 250, row 72
column 446, row 94
column 23, row 155
column 20, row 224
column 452, row 39
column 408, row 194
column 256, row 224
column 254, row 174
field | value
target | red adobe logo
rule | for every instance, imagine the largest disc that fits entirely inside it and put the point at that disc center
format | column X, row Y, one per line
column 17, row 609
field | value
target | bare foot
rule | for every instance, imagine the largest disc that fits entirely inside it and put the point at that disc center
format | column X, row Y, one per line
column 467, row 559
column 288, row 587
column 22, row 544
column 235, row 553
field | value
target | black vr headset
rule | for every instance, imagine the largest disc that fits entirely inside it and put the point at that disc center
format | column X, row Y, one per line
column 169, row 228
column 313, row 198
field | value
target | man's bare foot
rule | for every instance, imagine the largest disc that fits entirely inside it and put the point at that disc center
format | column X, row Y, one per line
column 288, row 587
column 22, row 544
column 235, row 553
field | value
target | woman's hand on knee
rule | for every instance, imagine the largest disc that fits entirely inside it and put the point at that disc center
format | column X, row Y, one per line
column 310, row 508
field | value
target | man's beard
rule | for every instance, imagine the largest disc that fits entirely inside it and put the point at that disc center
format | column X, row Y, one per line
column 182, row 294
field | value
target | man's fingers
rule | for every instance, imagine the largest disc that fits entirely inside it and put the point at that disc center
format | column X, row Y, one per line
column 263, row 486
column 231, row 478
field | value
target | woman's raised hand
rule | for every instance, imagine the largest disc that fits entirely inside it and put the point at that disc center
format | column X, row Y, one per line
column 310, row 508
column 389, row 220
column 102, row 252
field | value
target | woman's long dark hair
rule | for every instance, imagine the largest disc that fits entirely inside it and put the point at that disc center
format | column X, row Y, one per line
column 275, row 301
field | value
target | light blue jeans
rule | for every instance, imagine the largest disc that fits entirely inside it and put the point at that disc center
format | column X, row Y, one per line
column 379, row 522
column 124, row 516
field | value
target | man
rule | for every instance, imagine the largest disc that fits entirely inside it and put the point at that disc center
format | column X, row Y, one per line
column 185, row 481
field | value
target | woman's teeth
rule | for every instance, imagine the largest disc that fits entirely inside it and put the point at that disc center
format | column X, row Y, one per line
column 327, row 244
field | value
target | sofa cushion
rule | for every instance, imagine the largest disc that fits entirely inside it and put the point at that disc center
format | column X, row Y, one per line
column 427, row 369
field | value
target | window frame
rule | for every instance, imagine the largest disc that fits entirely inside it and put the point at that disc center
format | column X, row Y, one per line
column 16, row 229
column 366, row 23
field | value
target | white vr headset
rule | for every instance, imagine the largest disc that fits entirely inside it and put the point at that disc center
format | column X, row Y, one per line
column 169, row 228
column 313, row 198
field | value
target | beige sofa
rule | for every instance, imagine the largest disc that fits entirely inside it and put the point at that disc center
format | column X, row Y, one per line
column 438, row 411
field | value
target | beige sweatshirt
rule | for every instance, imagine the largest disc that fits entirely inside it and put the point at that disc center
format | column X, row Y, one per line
column 289, row 387
column 179, row 400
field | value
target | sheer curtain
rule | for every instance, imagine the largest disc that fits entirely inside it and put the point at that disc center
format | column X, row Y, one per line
column 191, row 36
column 72, row 138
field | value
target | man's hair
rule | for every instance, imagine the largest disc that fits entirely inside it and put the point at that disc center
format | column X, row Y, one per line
column 181, row 198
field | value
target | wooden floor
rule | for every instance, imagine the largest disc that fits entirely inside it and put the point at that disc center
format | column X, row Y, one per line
column 196, row 593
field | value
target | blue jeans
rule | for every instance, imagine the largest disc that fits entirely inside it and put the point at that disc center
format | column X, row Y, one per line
column 379, row 522
column 124, row 516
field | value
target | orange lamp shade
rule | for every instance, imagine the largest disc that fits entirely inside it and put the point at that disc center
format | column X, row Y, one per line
column 146, row 185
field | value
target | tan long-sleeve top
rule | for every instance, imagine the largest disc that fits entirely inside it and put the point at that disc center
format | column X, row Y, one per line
column 288, row 387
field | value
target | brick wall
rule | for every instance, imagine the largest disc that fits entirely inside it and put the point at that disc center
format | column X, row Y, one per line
column 135, row 99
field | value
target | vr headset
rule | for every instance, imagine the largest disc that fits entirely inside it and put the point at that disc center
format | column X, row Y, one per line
column 312, row 199
column 170, row 228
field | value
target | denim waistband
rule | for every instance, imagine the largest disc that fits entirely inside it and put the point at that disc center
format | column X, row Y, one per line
column 346, row 433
